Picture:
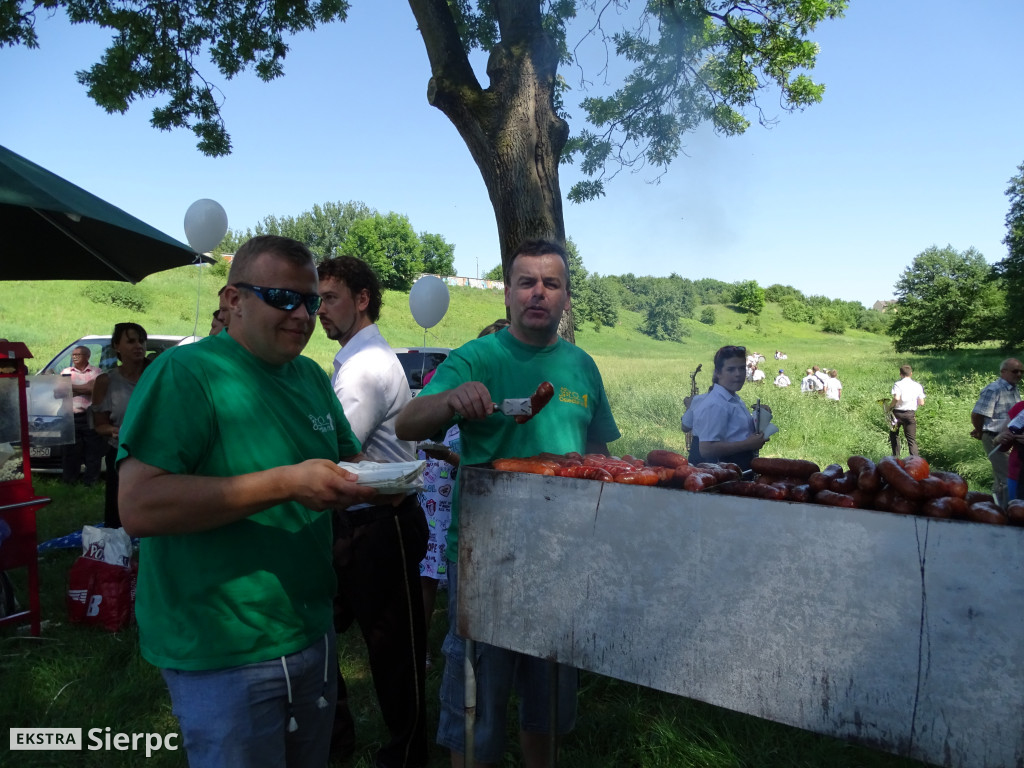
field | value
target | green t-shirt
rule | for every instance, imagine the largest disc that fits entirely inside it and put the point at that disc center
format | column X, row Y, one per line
column 260, row 587
column 578, row 413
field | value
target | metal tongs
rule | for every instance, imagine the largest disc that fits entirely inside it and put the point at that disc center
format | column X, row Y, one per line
column 515, row 406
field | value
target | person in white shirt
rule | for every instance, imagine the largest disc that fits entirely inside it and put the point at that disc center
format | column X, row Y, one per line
column 782, row 380
column 822, row 375
column 757, row 375
column 377, row 549
column 810, row 382
column 907, row 397
column 833, row 386
column 723, row 427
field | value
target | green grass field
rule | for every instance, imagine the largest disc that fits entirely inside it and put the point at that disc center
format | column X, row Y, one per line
column 73, row 676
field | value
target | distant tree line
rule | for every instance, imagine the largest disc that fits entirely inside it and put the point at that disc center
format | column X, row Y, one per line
column 387, row 242
column 665, row 302
column 390, row 245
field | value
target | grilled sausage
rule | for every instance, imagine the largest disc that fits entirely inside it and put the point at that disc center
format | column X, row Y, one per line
column 955, row 485
column 833, row 499
column 986, row 512
column 584, row 473
column 663, row 458
column 946, row 508
column 540, row 398
column 784, row 467
column 819, row 481
column 530, row 466
column 905, row 485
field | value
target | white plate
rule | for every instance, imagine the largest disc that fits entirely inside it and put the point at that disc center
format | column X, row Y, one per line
column 396, row 477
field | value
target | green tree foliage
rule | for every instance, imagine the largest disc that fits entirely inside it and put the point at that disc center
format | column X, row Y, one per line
column 749, row 296
column 832, row 321
column 663, row 315
column 604, row 302
column 711, row 291
column 638, row 294
column 327, row 230
column 220, row 268
column 687, row 62
column 779, row 294
column 943, row 300
column 797, row 311
column 438, row 255
column 495, row 273
column 873, row 321
column 707, row 316
column 593, row 301
column 323, row 229
column 390, row 246
column 1011, row 269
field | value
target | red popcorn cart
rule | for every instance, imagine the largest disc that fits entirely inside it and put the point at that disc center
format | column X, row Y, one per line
column 18, row 501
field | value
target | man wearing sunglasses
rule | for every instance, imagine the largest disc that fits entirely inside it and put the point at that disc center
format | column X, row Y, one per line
column 377, row 549
column 989, row 417
column 228, row 464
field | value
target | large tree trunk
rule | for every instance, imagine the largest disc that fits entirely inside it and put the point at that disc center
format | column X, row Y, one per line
column 511, row 128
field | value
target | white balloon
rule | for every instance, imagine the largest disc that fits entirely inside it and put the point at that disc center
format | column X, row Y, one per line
column 206, row 223
column 428, row 300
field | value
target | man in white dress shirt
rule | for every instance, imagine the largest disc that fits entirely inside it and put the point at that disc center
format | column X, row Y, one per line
column 377, row 550
column 907, row 397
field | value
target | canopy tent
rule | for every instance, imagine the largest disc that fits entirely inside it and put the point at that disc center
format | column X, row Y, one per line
column 55, row 230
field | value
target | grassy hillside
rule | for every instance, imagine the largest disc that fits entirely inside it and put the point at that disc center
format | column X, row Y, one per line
column 646, row 379
column 77, row 676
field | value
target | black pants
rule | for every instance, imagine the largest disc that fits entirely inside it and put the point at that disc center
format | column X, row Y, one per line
column 377, row 554
column 87, row 449
column 908, row 420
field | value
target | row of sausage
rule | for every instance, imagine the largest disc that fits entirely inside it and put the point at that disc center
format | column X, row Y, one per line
column 908, row 487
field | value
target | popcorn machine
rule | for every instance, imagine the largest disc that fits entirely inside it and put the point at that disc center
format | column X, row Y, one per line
column 18, row 501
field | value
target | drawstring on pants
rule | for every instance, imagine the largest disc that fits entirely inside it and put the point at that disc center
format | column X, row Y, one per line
column 321, row 703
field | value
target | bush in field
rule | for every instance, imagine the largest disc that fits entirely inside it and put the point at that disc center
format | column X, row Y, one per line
column 873, row 321
column 796, row 311
column 219, row 269
column 123, row 295
column 832, row 322
column 707, row 316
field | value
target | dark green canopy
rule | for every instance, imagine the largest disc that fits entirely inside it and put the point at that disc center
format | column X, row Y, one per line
column 51, row 229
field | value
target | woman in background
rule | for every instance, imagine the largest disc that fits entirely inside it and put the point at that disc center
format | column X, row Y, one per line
column 111, row 394
column 722, row 424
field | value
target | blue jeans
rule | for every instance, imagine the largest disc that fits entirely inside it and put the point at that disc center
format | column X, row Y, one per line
column 498, row 673
column 239, row 716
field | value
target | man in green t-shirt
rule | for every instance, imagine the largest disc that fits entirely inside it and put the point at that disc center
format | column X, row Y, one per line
column 487, row 370
column 227, row 461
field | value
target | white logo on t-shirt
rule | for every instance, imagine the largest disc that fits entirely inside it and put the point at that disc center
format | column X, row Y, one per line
column 322, row 423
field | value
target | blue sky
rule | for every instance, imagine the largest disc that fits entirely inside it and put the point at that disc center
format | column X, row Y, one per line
column 921, row 128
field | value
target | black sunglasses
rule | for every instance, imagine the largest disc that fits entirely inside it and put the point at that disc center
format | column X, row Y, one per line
column 283, row 298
